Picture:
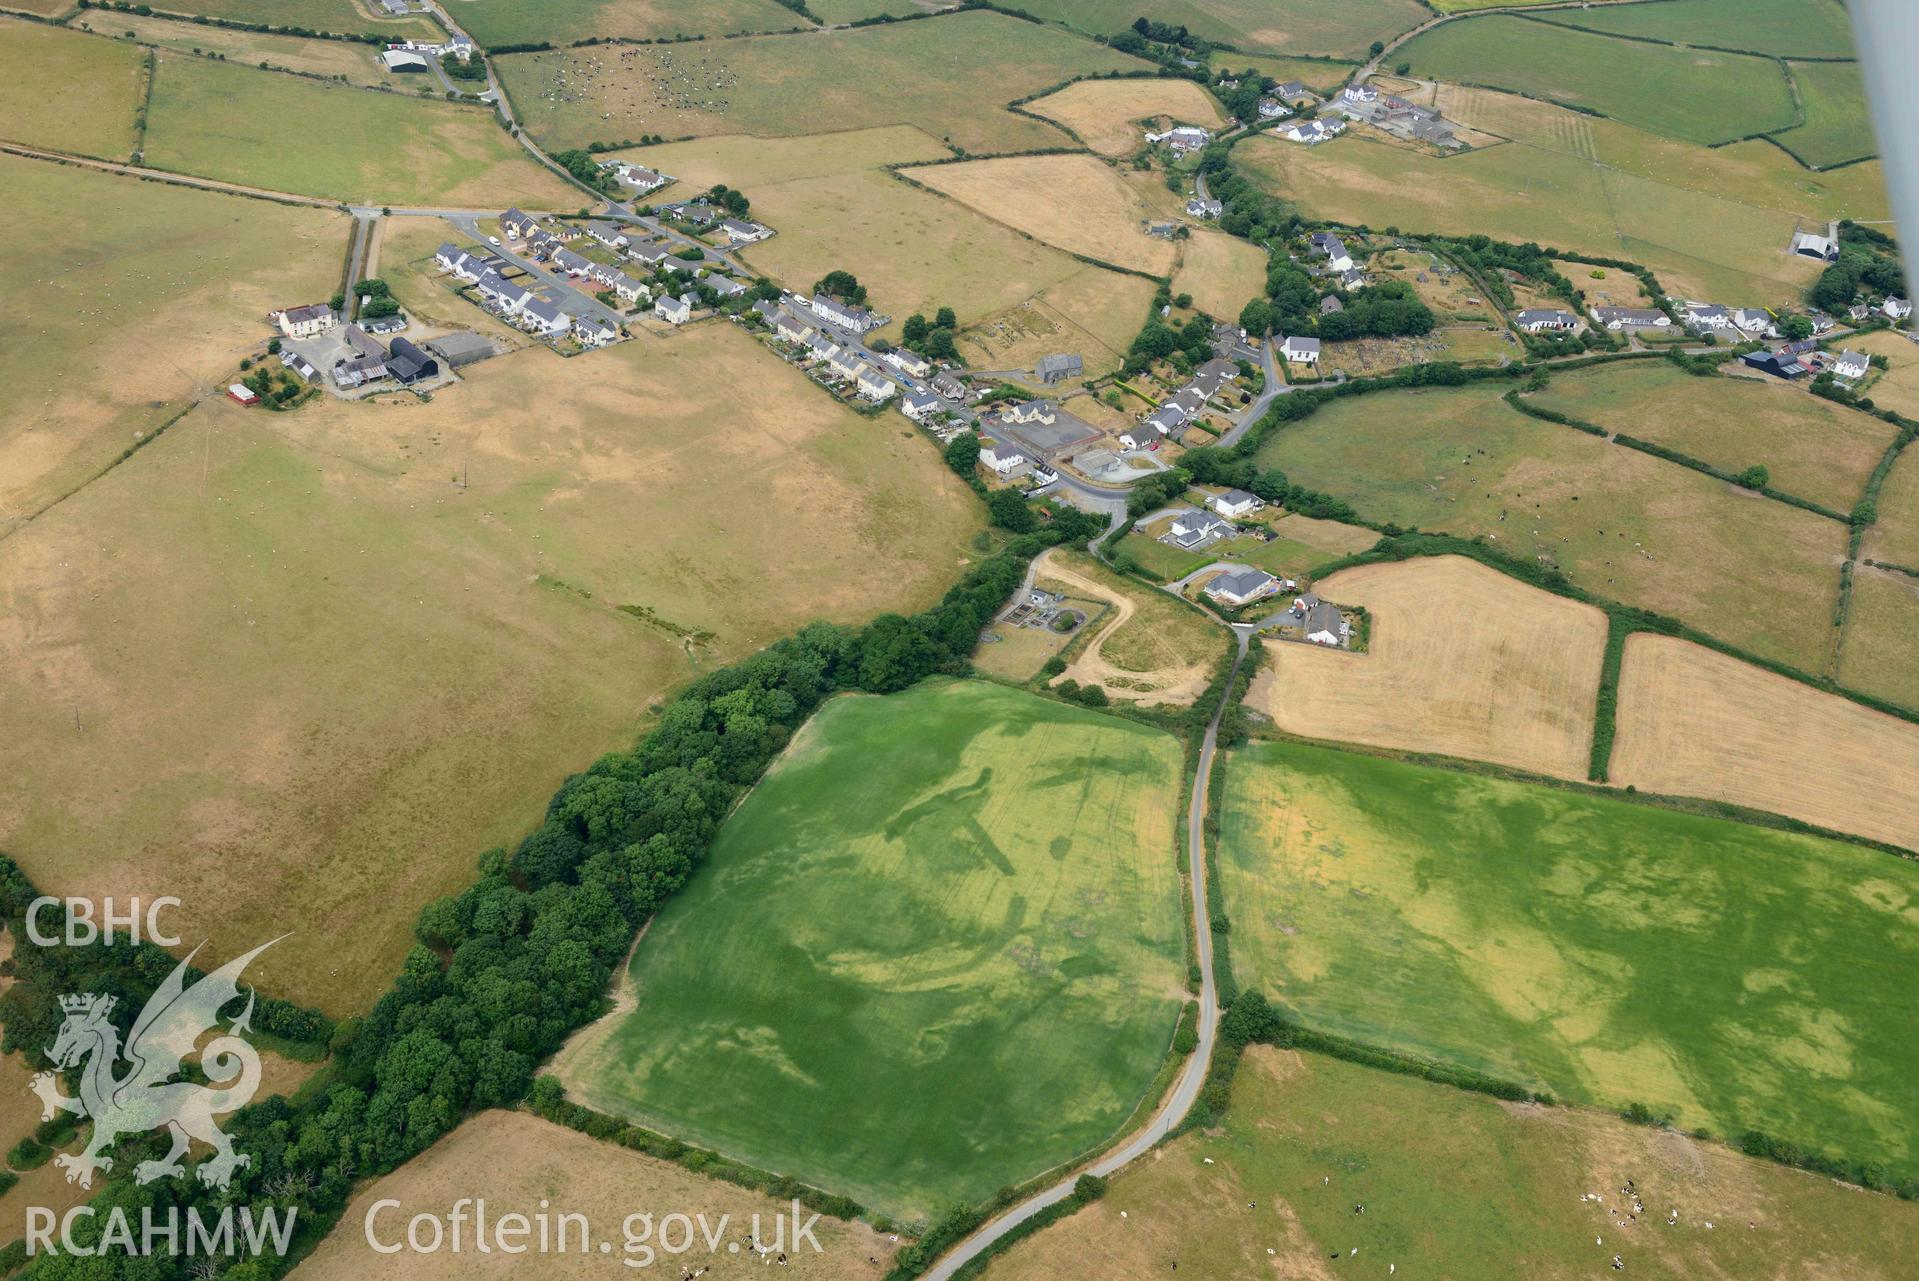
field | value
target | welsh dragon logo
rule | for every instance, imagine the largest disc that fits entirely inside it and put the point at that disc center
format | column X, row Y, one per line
column 145, row 1096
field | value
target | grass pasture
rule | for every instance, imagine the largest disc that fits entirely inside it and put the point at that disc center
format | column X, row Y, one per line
column 143, row 303
column 497, row 22
column 1785, row 28
column 519, row 1163
column 1106, row 114
column 1895, row 536
column 1462, row 660
column 752, row 164
column 344, row 16
column 35, row 59
column 835, row 12
column 1454, row 1185
column 1149, row 649
column 1344, row 29
column 1813, row 448
column 1692, row 94
column 1895, row 387
column 951, row 76
column 1838, row 125
column 1620, row 523
column 355, row 674
column 937, row 950
column 1880, row 655
column 1223, row 273
column 1742, row 978
column 1072, row 202
column 358, row 63
column 1693, row 722
column 219, row 120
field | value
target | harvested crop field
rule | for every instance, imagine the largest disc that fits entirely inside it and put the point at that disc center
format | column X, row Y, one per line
column 936, row 951
column 220, row 120
column 1813, row 448
column 1738, row 977
column 1107, row 114
column 39, row 64
column 1880, row 655
column 1149, row 649
column 1455, row 1185
column 358, row 63
column 344, row 17
column 376, row 636
column 1221, row 272
column 521, row 1164
column 1693, row 722
column 1897, row 386
column 153, row 295
column 1072, row 202
column 1462, row 660
column 1620, row 523
column 951, row 75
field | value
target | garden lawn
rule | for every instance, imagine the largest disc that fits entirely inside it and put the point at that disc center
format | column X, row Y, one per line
column 230, row 122
column 936, row 951
column 1614, row 953
column 1691, row 94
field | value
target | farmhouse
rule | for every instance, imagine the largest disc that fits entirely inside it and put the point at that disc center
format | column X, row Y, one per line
column 407, row 364
column 1337, row 258
column 1204, row 207
column 1055, row 369
column 1616, row 318
column 304, row 322
column 846, row 316
column 1755, row 322
column 1358, row 94
column 1535, row 321
column 1850, row 365
column 638, row 177
column 1313, row 131
column 1300, row 351
column 740, row 232
column 1002, row 458
column 539, row 316
column 1238, row 587
column 1809, row 245
column 920, row 405
column 1235, row 503
column 517, row 223
column 1192, row 529
column 1183, row 138
column 1896, row 308
column 674, row 311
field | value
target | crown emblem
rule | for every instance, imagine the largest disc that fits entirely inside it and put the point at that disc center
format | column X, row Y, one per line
column 86, row 1003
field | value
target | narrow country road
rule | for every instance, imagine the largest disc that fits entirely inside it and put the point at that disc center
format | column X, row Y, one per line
column 1193, row 1076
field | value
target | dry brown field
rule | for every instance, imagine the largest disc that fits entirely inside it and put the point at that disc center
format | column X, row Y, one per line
column 1072, row 201
column 1693, row 722
column 375, row 637
column 349, row 60
column 1084, row 314
column 1880, row 653
column 1108, row 115
column 1462, row 661
column 1614, row 288
column 1897, row 386
column 1149, row 649
column 520, row 1163
column 149, row 300
column 750, row 163
column 44, row 8
column 1895, row 536
column 1221, row 272
column 1331, row 536
column 41, row 65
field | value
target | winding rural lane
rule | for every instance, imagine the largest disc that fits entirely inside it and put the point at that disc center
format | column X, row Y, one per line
column 1193, row 1076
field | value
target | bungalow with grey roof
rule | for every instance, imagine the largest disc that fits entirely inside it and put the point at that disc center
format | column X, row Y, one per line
column 739, row 231
column 1538, row 320
column 1165, row 420
column 638, row 177
column 1312, row 132
column 1241, row 586
column 725, row 286
column 1850, row 365
column 1300, row 351
column 1235, row 503
column 1325, row 625
column 608, row 234
column 1617, row 318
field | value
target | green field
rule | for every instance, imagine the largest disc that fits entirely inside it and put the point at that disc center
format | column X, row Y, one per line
column 1813, row 448
column 1802, row 28
column 1690, row 94
column 1838, row 124
column 223, row 121
column 1455, row 1185
column 498, row 22
column 951, row 76
column 834, row 12
column 350, row 60
column 938, row 950
column 1612, row 952
column 1342, row 29
column 1620, row 523
column 343, row 16
column 37, row 60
